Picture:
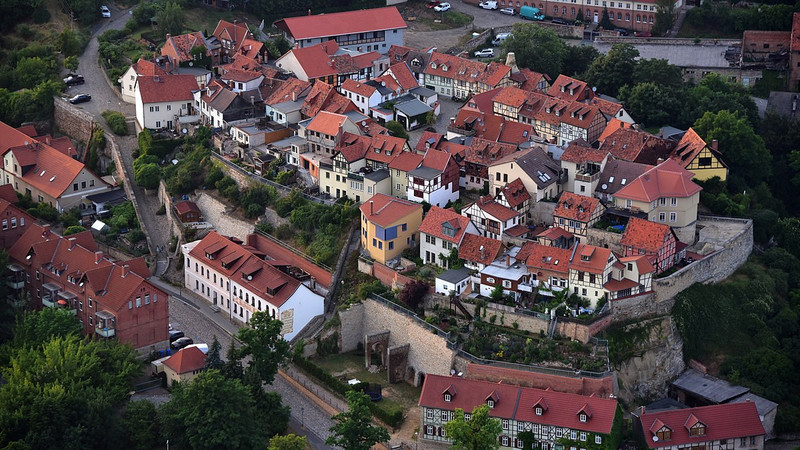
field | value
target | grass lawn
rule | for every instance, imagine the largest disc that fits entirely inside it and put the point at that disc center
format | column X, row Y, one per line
column 206, row 19
column 348, row 365
column 448, row 20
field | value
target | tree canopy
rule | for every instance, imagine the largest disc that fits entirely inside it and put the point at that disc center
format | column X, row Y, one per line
column 480, row 432
column 537, row 48
column 263, row 342
column 354, row 429
column 612, row 71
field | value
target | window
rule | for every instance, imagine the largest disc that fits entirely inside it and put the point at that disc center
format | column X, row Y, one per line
column 490, row 403
column 697, row 430
column 573, row 435
column 429, row 430
column 743, row 442
column 91, row 303
column 506, row 284
column 5, row 224
column 504, row 440
column 538, row 411
column 138, row 302
column 673, row 217
column 80, row 305
column 130, row 304
column 752, row 440
column 146, row 299
column 673, row 201
column 505, row 424
column 582, row 417
column 467, row 416
column 429, row 414
column 447, row 397
column 583, row 435
column 598, row 440
column 391, row 245
column 662, row 217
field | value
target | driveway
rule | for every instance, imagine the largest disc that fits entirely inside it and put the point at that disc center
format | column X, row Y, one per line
column 103, row 97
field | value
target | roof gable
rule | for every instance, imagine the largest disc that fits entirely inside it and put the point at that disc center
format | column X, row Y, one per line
column 347, row 22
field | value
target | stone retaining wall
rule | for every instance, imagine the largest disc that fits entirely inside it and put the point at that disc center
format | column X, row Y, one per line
column 175, row 224
column 605, row 239
column 667, row 41
column 126, row 184
column 580, row 330
column 526, row 322
column 72, row 121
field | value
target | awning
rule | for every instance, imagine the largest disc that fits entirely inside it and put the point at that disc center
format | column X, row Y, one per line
column 52, row 287
column 104, row 315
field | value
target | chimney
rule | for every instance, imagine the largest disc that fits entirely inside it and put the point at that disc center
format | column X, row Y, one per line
column 511, row 61
column 168, row 36
column 309, row 11
column 45, row 230
column 508, row 260
column 714, row 144
column 482, row 251
column 98, row 256
column 371, row 203
column 72, row 242
column 294, row 96
column 125, row 269
column 313, row 284
column 659, row 161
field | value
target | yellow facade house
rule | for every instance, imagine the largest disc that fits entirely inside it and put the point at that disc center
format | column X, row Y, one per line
column 389, row 225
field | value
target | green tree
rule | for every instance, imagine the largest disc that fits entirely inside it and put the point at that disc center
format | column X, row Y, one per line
column 665, row 17
column 212, row 412
column 658, row 71
column 354, row 429
column 650, row 103
column 537, row 48
column 263, row 342
column 147, row 176
column 396, row 129
column 140, row 428
column 288, row 442
column 578, row 59
column 74, row 229
column 478, row 433
column 233, row 365
column 605, row 20
column 170, row 19
column 612, row 71
column 497, row 293
column 268, row 404
column 71, row 63
column 742, row 149
column 213, row 359
column 38, row 327
column 30, row 72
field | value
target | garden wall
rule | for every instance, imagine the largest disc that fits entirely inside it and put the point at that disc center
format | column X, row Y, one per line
column 579, row 330
column 605, row 239
column 428, row 346
column 72, row 121
column 526, row 322
column 388, row 277
column 163, row 196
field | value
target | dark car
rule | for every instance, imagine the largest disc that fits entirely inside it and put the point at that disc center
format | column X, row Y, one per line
column 175, row 335
column 621, row 31
column 432, row 4
column 73, row 79
column 560, row 21
column 180, row 343
column 80, row 98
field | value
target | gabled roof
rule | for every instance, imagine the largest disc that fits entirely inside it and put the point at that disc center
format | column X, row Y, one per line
column 515, row 193
column 186, row 360
column 289, row 90
column 348, row 22
column 569, row 88
column 725, row 421
column 618, row 173
column 169, row 88
column 324, row 97
column 635, row 145
column 580, row 154
column 186, row 206
column 642, row 262
column 406, row 161
column 668, row 179
column 357, row 87
column 273, row 251
column 690, row 145
column 602, row 387
column 327, row 123
column 528, row 79
column 645, row 235
column 536, row 164
column 588, row 258
column 384, row 210
column 489, row 206
column 485, row 152
column 403, row 75
column 613, row 125
column 234, row 32
column 515, row 132
column 576, row 207
column 435, row 221
column 511, row 96
column 436, row 159
column 429, row 139
column 183, row 44
column 542, row 257
column 241, row 76
column 146, row 68
column 479, row 249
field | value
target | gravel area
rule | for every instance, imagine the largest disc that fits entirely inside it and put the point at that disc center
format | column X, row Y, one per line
column 216, row 213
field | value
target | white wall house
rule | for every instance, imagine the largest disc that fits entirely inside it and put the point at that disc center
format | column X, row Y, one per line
column 441, row 231
column 160, row 100
column 491, row 218
column 453, row 281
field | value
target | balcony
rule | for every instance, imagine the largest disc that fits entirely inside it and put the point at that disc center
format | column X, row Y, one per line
column 524, row 287
column 16, row 285
column 16, row 278
column 587, row 177
column 48, row 301
column 106, row 324
column 460, row 131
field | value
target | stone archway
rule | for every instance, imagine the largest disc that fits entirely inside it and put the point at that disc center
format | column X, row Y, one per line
column 375, row 349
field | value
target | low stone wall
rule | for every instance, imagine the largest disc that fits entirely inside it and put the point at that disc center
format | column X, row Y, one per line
column 428, row 352
column 175, row 224
column 667, row 41
column 580, row 330
column 526, row 322
column 606, row 239
column 72, row 121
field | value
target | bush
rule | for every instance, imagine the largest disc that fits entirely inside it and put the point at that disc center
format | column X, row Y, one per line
column 44, row 211
column 41, row 15
column 116, row 121
column 74, row 229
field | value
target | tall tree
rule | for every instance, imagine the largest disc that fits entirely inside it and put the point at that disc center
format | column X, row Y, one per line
column 263, row 342
column 537, row 48
column 268, row 404
column 650, row 103
column 170, row 19
column 742, row 149
column 288, row 442
column 233, row 365
column 665, row 17
column 605, row 20
column 612, row 71
column 478, row 433
column 578, row 59
column 213, row 359
column 658, row 71
column 354, row 429
column 141, row 429
column 212, row 412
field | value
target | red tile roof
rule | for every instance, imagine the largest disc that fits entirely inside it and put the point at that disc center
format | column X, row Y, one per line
column 483, row 102
column 554, row 233
column 8, row 193
column 186, row 206
column 180, row 47
column 403, row 75
column 725, row 421
column 515, row 193
column 612, row 126
column 494, row 209
column 358, row 87
column 516, row 132
column 324, row 97
column 236, row 33
column 645, row 235
column 406, row 161
column 643, row 264
column 289, row 90
column 690, row 145
column 795, row 44
column 186, row 360
column 572, row 89
column 384, row 210
column 436, row 218
column 514, row 402
column 62, row 144
column 602, row 387
column 576, row 207
column 581, row 154
column 589, row 258
column 241, row 76
column 28, row 130
column 169, row 88
column 470, row 249
column 638, row 146
column 436, row 159
column 348, row 22
column 511, row 96
column 429, row 139
column 544, row 257
column 327, row 123
column 274, row 251
column 668, row 179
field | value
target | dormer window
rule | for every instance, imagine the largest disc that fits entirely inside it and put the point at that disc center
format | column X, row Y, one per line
column 449, row 393
column 582, row 417
column 448, row 397
column 698, row 430
column 490, row 402
column 538, row 411
column 664, row 434
column 444, row 68
column 433, row 65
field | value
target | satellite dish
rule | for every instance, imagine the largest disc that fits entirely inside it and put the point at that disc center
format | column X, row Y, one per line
column 604, row 186
column 655, row 438
column 184, row 131
column 594, row 88
column 191, row 63
column 363, row 123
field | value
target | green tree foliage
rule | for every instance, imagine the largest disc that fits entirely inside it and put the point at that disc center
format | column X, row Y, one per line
column 396, row 129
column 478, row 433
column 44, row 211
column 268, row 404
column 123, row 216
column 116, row 121
column 579, row 58
column 659, row 72
column 72, row 43
column 212, row 412
column 170, row 19
column 38, row 327
column 13, row 12
column 782, row 137
column 497, row 293
column 31, row 72
column 729, row 20
column 86, row 11
column 288, row 442
column 742, row 149
column 354, row 429
column 71, row 63
column 651, row 103
column 74, row 229
column 233, row 367
column 612, row 71
column 142, row 431
column 262, row 341
column 665, row 17
column 605, row 20
column 28, row 104
column 537, row 48
column 147, row 176
column 214, row 358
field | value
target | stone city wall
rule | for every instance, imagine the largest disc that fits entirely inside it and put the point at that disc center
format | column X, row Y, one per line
column 605, row 239
column 580, row 330
column 175, row 224
column 428, row 349
column 72, row 121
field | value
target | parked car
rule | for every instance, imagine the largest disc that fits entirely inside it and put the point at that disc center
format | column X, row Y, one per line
column 180, row 343
column 105, row 12
column 500, row 38
column 488, row 4
column 485, row 53
column 560, row 21
column 80, row 98
column 643, row 34
column 433, row 4
column 174, row 335
column 621, row 31
column 509, row 11
column 73, row 79
column 442, row 7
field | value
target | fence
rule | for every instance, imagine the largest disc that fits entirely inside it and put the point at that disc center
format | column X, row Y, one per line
column 259, row 179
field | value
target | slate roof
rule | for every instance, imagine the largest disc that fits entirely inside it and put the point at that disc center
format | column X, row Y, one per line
column 619, row 173
column 537, row 164
column 707, row 387
column 455, row 275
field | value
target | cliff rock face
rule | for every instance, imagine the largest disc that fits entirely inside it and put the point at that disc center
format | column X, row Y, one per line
column 658, row 361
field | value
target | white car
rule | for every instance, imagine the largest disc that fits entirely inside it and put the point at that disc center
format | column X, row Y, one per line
column 105, row 12
column 489, row 4
column 442, row 7
column 509, row 11
column 485, row 53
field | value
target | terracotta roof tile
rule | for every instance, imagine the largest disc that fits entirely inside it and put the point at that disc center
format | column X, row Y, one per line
column 589, row 258
column 186, row 206
column 236, row 33
column 668, row 179
column 180, row 47
column 406, row 161
column 287, row 91
column 494, row 209
column 542, row 257
column 515, row 193
column 612, row 126
column 569, row 88
column 429, row 139
column 602, row 387
column 725, row 421
column 274, row 251
column 327, row 123
column 186, row 360
column 348, row 22
column 576, row 207
column 384, row 210
column 645, row 235
column 618, row 173
column 358, row 87
column 169, row 88
column 470, row 249
column 239, row 75
column 435, row 219
column 581, row 154
column 511, row 96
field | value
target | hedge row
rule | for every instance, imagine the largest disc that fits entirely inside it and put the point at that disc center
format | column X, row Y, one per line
column 392, row 418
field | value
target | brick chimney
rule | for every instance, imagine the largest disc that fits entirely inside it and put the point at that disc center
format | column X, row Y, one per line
column 98, row 256
column 45, row 230
column 72, row 242
column 714, row 144
column 371, row 203
column 125, row 269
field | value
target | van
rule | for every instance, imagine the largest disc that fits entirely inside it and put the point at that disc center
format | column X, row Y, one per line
column 530, row 13
column 500, row 38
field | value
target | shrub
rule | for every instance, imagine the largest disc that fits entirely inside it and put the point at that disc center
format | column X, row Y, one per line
column 162, row 210
column 116, row 121
column 44, row 211
column 74, row 229
column 41, row 15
